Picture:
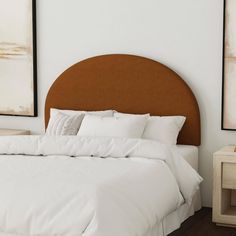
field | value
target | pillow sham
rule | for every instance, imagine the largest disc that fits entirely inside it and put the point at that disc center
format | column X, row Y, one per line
column 54, row 111
column 125, row 127
column 62, row 124
column 164, row 129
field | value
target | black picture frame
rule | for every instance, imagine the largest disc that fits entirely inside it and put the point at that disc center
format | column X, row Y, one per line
column 35, row 68
column 34, row 63
column 223, row 72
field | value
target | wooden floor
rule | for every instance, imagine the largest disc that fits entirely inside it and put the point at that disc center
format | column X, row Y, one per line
column 201, row 225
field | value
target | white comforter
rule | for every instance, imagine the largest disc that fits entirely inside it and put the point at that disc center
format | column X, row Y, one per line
column 60, row 187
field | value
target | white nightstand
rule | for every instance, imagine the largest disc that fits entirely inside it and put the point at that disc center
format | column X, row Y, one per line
column 224, row 186
column 8, row 132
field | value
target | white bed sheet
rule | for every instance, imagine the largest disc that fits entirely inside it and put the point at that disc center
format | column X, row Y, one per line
column 190, row 154
column 108, row 178
column 168, row 225
column 174, row 219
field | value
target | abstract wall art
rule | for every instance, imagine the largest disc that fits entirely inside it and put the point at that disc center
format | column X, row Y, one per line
column 18, row 72
column 229, row 67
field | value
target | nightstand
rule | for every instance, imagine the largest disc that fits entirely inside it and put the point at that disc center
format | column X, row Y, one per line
column 224, row 186
column 8, row 132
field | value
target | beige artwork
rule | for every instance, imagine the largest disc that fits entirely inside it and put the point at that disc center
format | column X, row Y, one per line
column 16, row 58
column 229, row 116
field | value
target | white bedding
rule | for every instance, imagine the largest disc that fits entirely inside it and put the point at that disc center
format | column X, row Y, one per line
column 190, row 154
column 47, row 192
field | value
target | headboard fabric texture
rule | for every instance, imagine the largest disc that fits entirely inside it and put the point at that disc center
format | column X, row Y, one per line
column 130, row 84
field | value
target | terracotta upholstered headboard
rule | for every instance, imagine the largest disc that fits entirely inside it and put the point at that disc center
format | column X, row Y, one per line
column 130, row 84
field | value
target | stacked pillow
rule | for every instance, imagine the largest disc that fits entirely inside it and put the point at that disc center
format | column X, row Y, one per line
column 107, row 123
column 62, row 124
column 164, row 129
column 54, row 111
column 122, row 127
column 67, row 122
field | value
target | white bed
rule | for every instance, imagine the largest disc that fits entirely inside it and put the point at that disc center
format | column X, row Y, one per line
column 81, row 186
column 54, row 183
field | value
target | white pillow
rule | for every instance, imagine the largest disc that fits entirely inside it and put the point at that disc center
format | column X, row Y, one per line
column 164, row 129
column 120, row 114
column 127, row 127
column 62, row 124
column 54, row 111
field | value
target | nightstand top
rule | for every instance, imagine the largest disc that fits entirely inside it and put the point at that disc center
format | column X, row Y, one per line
column 229, row 150
column 9, row 132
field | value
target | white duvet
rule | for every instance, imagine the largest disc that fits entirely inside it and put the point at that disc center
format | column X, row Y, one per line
column 60, row 186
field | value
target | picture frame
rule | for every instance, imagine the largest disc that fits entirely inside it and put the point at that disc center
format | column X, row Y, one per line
column 228, row 113
column 18, row 59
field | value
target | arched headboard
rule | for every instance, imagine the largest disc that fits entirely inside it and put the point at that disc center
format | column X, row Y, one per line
column 130, row 84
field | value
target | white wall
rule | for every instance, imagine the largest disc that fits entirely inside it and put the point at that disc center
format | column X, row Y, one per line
column 185, row 34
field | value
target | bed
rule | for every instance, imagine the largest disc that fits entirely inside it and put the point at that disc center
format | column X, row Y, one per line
column 69, row 185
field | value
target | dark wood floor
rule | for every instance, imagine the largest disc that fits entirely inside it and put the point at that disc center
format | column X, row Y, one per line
column 201, row 225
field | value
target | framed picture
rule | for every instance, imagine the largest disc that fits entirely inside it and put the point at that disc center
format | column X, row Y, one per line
column 229, row 67
column 18, row 65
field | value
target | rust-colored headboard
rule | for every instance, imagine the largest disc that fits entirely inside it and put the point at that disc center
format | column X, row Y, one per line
column 130, row 84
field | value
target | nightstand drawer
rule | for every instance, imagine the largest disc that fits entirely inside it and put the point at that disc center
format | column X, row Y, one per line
column 229, row 175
